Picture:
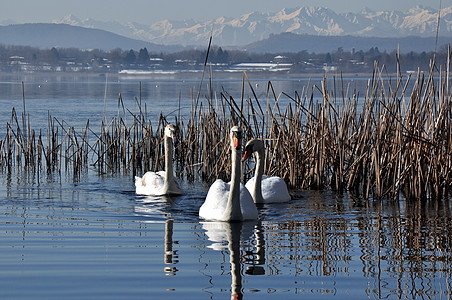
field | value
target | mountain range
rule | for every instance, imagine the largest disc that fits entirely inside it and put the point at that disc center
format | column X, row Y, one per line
column 255, row 26
column 315, row 29
column 47, row 35
column 290, row 42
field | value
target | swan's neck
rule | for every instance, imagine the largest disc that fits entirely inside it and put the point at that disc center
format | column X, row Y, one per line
column 259, row 172
column 169, row 173
column 233, row 211
column 169, row 158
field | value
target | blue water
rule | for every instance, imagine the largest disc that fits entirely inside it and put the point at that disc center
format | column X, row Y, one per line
column 93, row 238
column 79, row 98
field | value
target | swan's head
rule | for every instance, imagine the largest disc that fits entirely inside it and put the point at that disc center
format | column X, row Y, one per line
column 236, row 138
column 252, row 146
column 170, row 131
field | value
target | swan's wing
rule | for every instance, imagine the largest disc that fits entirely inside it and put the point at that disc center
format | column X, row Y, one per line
column 250, row 184
column 216, row 201
column 150, row 184
column 274, row 189
column 249, row 210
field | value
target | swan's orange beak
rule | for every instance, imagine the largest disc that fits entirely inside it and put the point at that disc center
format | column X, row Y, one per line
column 236, row 142
column 247, row 154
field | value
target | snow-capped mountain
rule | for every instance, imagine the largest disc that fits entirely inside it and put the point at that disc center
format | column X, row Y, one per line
column 255, row 26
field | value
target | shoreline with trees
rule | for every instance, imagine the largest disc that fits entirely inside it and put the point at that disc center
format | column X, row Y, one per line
column 30, row 59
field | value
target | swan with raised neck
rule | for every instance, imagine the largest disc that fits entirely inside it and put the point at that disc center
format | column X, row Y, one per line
column 233, row 210
column 264, row 189
column 230, row 201
column 162, row 182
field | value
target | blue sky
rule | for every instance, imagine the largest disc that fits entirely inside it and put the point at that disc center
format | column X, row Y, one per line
column 149, row 12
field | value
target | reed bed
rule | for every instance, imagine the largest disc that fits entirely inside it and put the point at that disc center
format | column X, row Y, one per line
column 393, row 142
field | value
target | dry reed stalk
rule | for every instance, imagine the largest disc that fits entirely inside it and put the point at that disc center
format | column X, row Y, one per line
column 398, row 142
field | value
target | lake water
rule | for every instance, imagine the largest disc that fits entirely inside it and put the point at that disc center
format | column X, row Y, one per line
column 79, row 98
column 95, row 239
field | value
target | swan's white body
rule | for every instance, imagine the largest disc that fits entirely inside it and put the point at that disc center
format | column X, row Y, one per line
column 230, row 201
column 274, row 189
column 263, row 188
column 216, row 202
column 162, row 182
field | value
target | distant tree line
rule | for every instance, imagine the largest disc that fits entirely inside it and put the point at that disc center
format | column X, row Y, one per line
column 19, row 58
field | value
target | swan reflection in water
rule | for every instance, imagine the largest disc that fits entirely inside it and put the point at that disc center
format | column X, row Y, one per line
column 229, row 236
column 152, row 206
column 171, row 256
column 224, row 236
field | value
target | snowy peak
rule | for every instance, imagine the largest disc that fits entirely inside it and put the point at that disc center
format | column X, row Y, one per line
column 74, row 21
column 254, row 26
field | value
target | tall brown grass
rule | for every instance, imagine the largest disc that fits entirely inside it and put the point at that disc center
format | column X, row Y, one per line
column 393, row 141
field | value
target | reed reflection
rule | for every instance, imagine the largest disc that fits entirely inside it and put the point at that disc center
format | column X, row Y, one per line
column 406, row 249
column 398, row 248
column 229, row 235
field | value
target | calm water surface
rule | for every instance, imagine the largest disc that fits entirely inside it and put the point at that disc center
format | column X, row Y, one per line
column 79, row 98
column 95, row 239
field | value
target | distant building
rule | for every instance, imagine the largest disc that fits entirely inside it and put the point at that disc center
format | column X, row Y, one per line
column 280, row 63
column 281, row 59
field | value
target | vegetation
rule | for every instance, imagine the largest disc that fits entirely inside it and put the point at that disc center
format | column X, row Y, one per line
column 20, row 58
column 397, row 142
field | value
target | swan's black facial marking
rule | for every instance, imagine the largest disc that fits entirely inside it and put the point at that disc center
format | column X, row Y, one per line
column 248, row 151
column 252, row 146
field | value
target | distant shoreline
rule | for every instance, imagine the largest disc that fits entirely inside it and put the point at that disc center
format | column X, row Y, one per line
column 198, row 74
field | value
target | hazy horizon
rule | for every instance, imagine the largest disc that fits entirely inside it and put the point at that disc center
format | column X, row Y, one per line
column 148, row 12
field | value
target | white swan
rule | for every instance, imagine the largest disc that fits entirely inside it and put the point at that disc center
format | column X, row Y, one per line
column 230, row 201
column 162, row 182
column 263, row 188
